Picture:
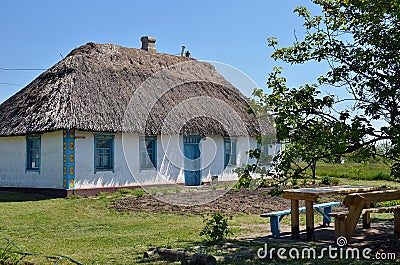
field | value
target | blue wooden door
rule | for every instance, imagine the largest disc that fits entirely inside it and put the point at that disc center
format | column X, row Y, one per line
column 191, row 146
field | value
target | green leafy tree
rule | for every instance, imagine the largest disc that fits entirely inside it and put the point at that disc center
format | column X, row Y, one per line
column 360, row 41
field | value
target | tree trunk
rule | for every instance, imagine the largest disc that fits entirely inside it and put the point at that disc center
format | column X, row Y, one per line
column 313, row 169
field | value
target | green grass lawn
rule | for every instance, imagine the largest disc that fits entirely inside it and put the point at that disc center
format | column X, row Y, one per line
column 356, row 171
column 89, row 231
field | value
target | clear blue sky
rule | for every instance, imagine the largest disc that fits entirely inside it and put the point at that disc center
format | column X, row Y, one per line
column 35, row 34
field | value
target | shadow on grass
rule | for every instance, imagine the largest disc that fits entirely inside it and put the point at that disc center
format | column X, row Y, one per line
column 12, row 196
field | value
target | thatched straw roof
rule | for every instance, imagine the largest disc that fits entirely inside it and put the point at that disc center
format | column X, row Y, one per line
column 99, row 87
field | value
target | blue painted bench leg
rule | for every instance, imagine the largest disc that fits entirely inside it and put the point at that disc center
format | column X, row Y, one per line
column 275, row 226
column 327, row 218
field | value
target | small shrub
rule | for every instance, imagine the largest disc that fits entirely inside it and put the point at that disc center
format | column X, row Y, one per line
column 125, row 191
column 276, row 191
column 73, row 197
column 103, row 194
column 335, row 181
column 216, row 227
column 139, row 192
column 243, row 182
column 152, row 191
column 326, row 180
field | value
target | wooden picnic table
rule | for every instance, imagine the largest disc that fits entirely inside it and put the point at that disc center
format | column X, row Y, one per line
column 310, row 195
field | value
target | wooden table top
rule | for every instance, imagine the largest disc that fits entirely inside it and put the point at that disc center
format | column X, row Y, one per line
column 313, row 193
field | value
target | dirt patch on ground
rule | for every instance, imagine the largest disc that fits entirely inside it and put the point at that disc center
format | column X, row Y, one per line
column 205, row 201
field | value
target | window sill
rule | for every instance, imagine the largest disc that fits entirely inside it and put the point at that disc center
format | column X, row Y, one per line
column 32, row 171
column 148, row 169
column 103, row 170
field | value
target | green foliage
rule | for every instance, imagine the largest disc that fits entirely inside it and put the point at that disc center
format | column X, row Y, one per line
column 327, row 180
column 359, row 42
column 74, row 197
column 276, row 191
column 244, row 178
column 216, row 227
column 120, row 193
column 125, row 191
column 389, row 203
column 138, row 192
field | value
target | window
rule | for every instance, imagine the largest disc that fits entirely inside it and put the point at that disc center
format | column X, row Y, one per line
column 265, row 158
column 148, row 152
column 103, row 152
column 230, row 151
column 33, row 153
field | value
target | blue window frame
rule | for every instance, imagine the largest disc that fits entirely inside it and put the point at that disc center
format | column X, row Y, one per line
column 103, row 152
column 33, row 144
column 148, row 152
column 229, row 152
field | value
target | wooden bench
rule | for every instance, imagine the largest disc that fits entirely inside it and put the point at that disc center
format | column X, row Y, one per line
column 276, row 217
column 359, row 203
column 340, row 218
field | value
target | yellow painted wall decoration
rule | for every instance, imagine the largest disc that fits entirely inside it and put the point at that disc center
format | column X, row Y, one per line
column 71, row 158
column 71, row 183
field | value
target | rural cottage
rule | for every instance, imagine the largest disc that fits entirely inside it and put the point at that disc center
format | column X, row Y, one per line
column 110, row 116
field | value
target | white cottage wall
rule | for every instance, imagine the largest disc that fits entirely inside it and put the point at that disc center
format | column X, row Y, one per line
column 212, row 156
column 170, row 158
column 170, row 162
column 13, row 162
column 86, row 177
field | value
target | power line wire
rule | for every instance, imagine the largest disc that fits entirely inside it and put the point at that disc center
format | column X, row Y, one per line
column 22, row 69
column 10, row 84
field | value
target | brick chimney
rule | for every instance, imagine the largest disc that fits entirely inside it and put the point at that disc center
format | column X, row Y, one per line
column 148, row 44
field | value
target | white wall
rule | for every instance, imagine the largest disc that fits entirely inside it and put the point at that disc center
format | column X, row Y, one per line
column 13, row 162
column 170, row 162
column 85, row 175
